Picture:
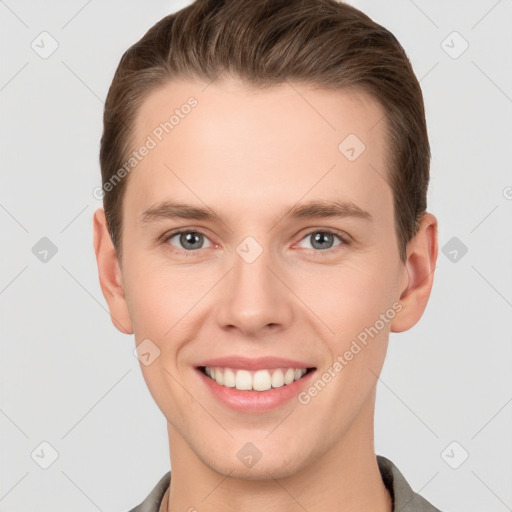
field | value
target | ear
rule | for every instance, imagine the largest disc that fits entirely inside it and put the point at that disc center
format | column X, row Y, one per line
column 111, row 279
column 418, row 275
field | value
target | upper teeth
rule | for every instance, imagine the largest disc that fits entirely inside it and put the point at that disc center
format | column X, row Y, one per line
column 260, row 380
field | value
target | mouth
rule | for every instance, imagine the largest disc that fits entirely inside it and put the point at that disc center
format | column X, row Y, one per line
column 254, row 380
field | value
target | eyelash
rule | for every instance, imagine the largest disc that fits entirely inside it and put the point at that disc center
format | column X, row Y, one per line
column 317, row 252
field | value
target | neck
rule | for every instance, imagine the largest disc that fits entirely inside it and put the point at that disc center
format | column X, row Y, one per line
column 346, row 478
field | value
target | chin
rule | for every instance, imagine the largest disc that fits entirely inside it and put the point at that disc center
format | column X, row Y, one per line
column 262, row 470
column 249, row 463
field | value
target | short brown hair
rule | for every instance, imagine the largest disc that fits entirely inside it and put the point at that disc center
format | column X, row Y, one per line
column 322, row 43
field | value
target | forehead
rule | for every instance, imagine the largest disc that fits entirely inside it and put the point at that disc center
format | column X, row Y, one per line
column 210, row 142
column 230, row 104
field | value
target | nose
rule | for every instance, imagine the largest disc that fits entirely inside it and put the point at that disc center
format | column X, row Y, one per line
column 255, row 298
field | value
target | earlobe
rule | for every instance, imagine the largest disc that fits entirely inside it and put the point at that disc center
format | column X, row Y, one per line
column 110, row 274
column 418, row 276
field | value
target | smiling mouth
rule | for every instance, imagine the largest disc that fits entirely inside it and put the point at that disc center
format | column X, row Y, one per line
column 259, row 380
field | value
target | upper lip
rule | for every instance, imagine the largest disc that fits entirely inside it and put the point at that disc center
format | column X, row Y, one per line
column 258, row 363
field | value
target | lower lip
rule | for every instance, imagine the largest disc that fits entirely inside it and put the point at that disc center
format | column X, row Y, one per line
column 255, row 401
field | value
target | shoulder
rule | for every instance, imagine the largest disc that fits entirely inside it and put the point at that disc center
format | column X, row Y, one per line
column 153, row 500
column 404, row 498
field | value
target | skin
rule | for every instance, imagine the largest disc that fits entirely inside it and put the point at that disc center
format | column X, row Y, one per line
column 248, row 154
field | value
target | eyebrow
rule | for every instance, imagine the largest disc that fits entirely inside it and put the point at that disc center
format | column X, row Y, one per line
column 310, row 210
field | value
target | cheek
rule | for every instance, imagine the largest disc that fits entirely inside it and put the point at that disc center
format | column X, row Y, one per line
column 160, row 302
column 158, row 297
column 346, row 298
column 164, row 306
column 358, row 309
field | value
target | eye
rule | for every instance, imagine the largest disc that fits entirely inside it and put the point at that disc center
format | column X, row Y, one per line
column 322, row 240
column 189, row 240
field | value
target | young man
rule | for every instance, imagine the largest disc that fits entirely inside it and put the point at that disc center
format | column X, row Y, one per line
column 265, row 167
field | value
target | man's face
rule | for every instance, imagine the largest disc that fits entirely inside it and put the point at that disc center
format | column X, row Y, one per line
column 258, row 283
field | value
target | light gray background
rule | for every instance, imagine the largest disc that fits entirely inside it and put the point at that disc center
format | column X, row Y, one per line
column 69, row 378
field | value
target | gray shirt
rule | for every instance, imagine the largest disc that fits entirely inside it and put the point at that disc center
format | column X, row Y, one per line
column 404, row 498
